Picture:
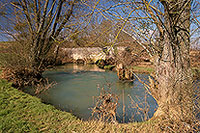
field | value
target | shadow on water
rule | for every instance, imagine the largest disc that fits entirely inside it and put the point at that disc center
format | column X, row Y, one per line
column 77, row 86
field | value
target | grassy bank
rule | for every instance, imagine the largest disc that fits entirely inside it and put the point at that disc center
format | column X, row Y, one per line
column 148, row 70
column 21, row 112
column 140, row 69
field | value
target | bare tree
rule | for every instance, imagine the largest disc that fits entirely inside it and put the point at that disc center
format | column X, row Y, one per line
column 36, row 28
column 44, row 20
column 163, row 29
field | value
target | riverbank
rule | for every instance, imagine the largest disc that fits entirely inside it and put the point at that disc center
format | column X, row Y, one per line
column 150, row 69
column 21, row 112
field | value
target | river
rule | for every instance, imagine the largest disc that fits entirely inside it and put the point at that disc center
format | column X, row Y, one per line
column 78, row 84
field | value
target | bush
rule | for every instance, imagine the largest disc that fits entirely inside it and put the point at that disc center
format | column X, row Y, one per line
column 18, row 66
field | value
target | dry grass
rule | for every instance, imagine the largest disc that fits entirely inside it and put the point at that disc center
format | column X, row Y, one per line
column 20, row 112
column 106, row 105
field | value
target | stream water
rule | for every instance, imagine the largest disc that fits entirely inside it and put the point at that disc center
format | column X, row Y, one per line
column 77, row 84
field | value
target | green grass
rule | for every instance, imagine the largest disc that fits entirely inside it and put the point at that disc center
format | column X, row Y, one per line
column 143, row 69
column 150, row 70
column 196, row 68
column 109, row 67
column 21, row 112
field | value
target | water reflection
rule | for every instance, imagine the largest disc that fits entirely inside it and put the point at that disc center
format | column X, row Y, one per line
column 77, row 84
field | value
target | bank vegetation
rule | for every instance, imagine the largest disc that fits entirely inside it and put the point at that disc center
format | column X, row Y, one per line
column 164, row 29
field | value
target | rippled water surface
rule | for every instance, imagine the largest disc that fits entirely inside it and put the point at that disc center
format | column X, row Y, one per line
column 77, row 84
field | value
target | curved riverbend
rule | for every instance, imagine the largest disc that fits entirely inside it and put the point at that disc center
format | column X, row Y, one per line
column 77, row 84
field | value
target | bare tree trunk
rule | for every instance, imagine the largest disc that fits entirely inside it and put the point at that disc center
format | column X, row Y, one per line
column 173, row 74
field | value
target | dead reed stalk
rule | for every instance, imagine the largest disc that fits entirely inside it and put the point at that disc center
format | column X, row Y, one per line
column 106, row 104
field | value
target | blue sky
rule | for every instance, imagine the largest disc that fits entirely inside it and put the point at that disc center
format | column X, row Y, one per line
column 102, row 5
